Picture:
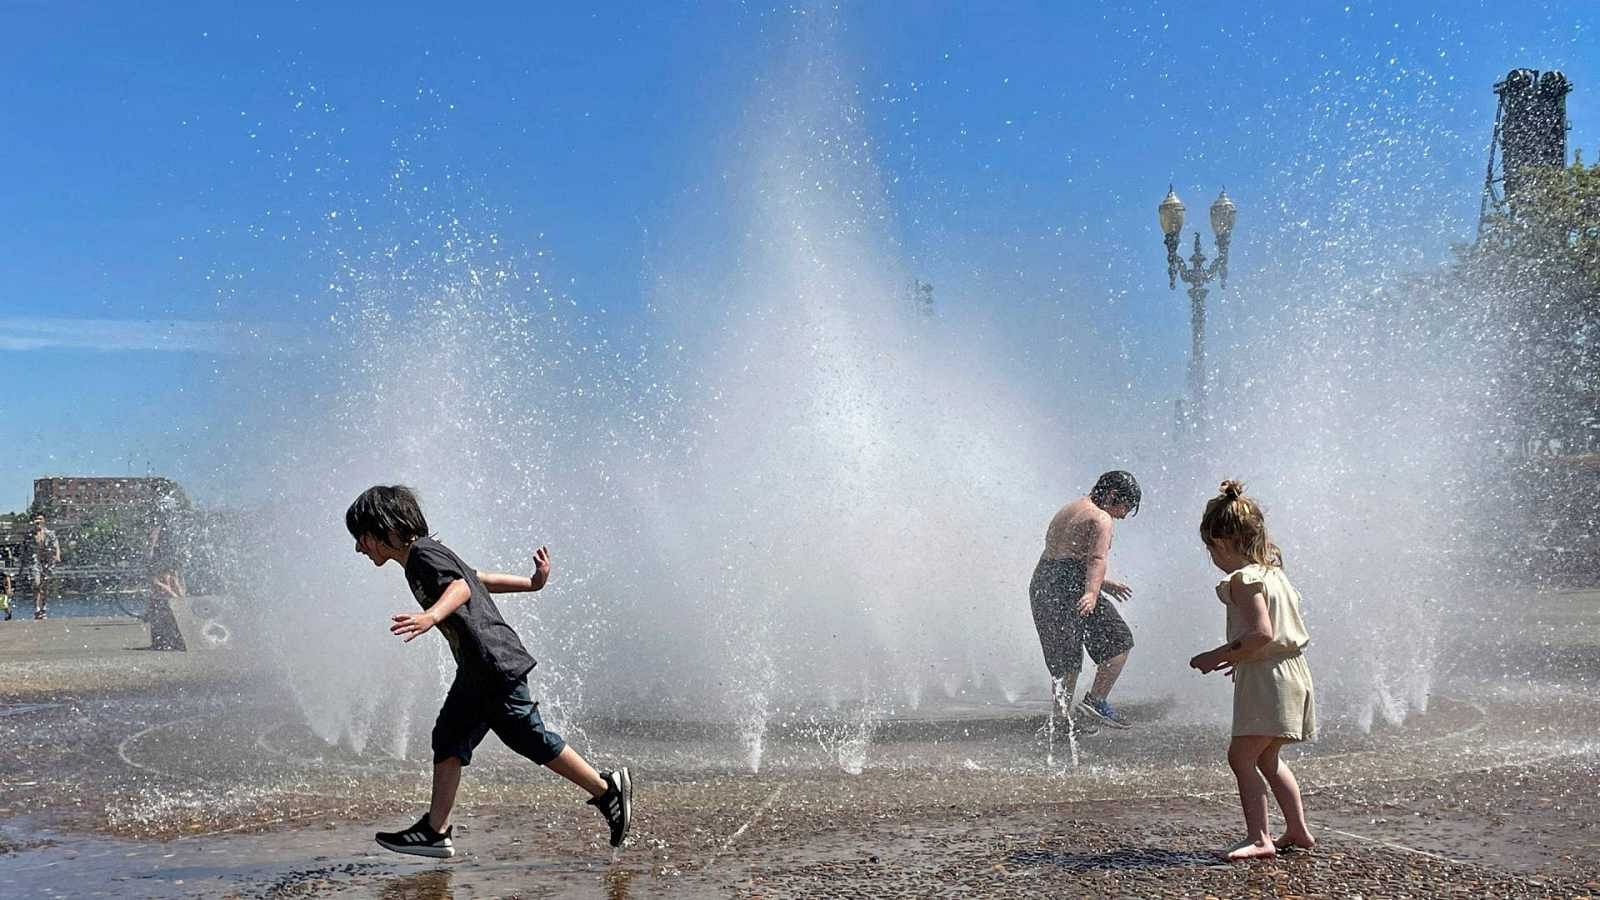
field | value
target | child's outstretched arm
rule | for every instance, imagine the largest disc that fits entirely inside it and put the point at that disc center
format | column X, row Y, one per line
column 409, row 625
column 501, row 583
column 1251, row 602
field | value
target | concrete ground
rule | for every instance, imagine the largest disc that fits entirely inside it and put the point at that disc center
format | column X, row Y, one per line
column 130, row 773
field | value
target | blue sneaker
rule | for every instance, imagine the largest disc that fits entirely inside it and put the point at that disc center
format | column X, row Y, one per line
column 1101, row 709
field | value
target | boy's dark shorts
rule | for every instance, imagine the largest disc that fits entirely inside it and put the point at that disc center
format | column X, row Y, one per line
column 1063, row 634
column 469, row 713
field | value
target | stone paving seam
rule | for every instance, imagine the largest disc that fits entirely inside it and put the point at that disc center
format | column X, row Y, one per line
column 727, row 842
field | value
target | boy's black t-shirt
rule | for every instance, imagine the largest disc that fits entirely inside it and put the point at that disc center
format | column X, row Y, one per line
column 488, row 652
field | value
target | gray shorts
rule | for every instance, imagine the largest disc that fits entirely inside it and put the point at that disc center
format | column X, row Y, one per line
column 469, row 714
column 31, row 577
column 1063, row 634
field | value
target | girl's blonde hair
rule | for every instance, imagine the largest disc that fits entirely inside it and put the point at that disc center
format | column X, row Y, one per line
column 1237, row 521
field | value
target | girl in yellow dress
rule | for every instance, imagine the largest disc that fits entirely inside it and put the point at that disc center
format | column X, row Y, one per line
column 1273, row 702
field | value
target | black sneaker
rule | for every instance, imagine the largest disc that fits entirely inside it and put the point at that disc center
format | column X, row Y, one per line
column 616, row 804
column 419, row 840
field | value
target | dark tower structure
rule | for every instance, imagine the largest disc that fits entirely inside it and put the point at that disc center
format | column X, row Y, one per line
column 1530, row 132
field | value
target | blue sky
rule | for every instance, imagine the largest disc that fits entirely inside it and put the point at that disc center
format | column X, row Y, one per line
column 171, row 171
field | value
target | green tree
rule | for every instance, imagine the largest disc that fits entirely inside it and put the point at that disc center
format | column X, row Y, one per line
column 1534, row 275
column 109, row 540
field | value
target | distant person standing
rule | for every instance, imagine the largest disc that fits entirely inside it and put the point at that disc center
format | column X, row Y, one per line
column 166, row 565
column 41, row 552
column 166, row 576
column 1068, row 594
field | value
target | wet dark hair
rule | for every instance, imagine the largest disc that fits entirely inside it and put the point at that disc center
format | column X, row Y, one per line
column 1117, row 487
column 387, row 512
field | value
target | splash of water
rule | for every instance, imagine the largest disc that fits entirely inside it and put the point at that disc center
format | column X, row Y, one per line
column 791, row 485
column 1061, row 690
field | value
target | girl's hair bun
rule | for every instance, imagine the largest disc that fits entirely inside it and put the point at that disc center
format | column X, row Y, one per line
column 1232, row 489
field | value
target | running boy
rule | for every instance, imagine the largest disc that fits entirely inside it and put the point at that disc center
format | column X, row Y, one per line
column 490, row 692
column 1273, row 703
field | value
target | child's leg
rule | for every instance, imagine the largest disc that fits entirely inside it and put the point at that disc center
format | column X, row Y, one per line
column 1063, row 688
column 574, row 768
column 446, row 779
column 1287, row 791
column 1244, row 752
column 520, row 727
column 456, row 733
column 1109, row 641
column 611, row 796
column 1105, row 675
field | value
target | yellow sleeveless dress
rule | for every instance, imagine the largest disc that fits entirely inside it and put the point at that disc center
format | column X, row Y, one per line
column 1272, row 690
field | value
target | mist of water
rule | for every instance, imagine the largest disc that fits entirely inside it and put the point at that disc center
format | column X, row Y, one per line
column 796, row 494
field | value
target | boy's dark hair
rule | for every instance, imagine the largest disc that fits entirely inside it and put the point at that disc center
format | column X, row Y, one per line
column 386, row 512
column 1117, row 487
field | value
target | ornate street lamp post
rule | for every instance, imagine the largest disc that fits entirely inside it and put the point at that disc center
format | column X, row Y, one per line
column 1196, row 273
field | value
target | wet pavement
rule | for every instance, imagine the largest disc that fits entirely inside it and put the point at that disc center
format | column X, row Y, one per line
column 192, row 779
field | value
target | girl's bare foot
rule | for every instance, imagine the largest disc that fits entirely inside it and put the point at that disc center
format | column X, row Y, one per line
column 1295, row 841
column 1250, row 849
